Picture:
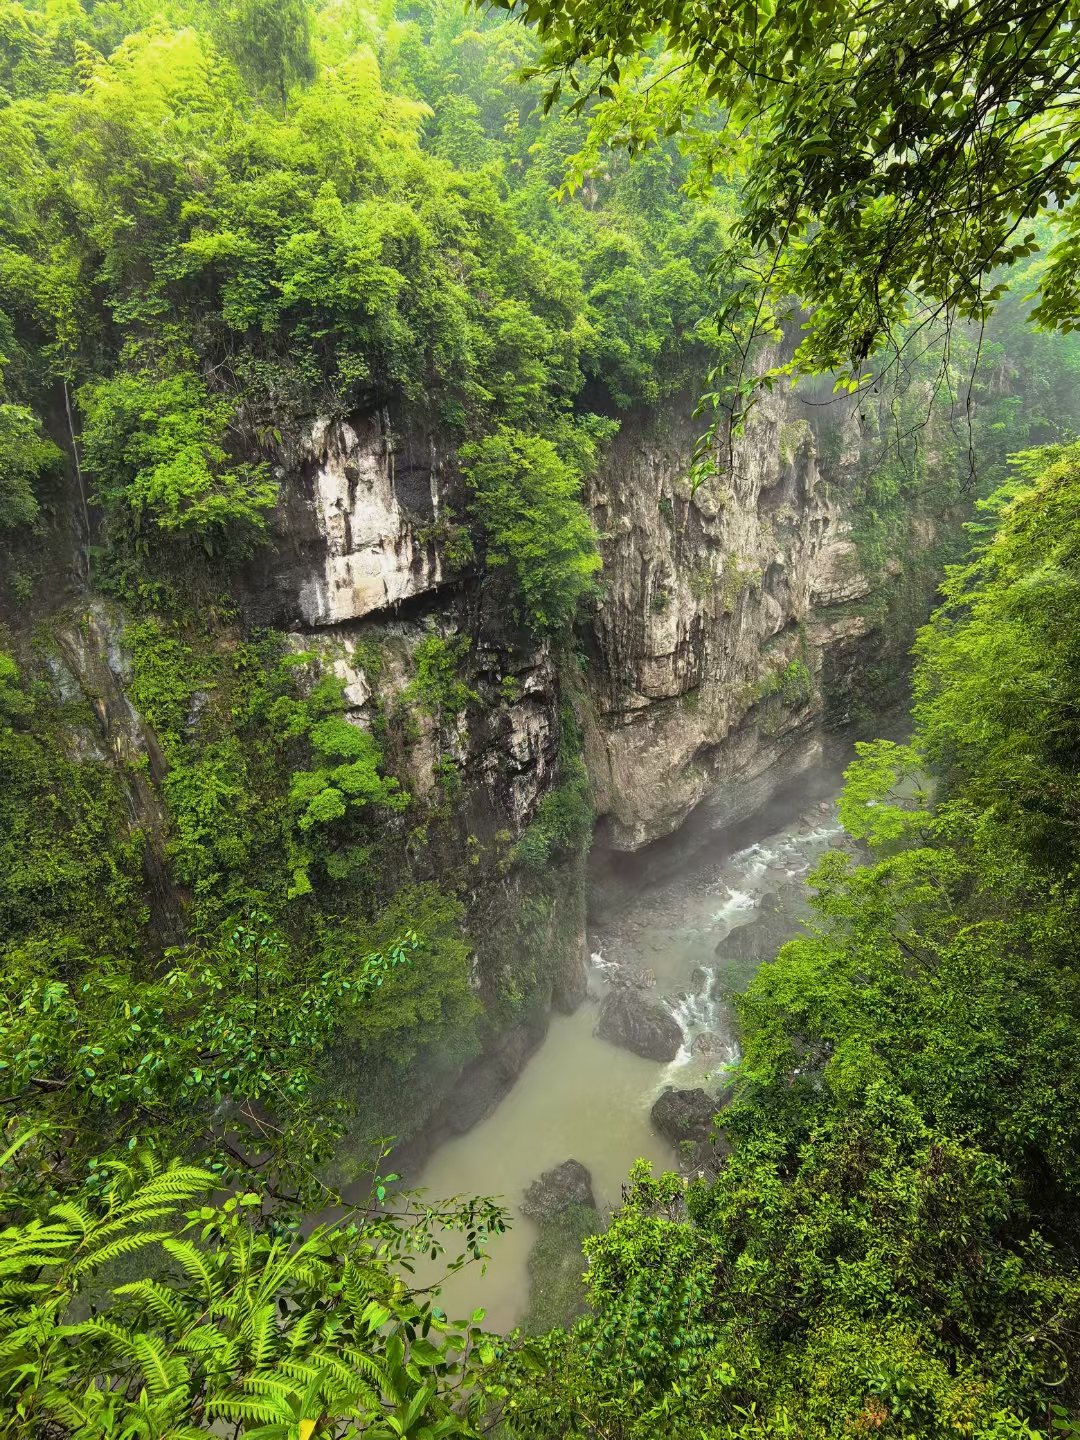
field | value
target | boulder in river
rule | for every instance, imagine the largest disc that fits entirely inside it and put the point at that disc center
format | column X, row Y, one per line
column 633, row 977
column 559, row 1189
column 629, row 1020
column 707, row 1043
column 682, row 1115
column 761, row 938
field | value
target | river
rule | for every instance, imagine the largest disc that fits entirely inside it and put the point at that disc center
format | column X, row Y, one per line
column 661, row 916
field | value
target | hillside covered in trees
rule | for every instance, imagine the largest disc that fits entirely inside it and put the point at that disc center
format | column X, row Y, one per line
column 272, row 882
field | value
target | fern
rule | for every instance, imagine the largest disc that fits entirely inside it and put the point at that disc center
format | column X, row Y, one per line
column 244, row 1407
column 76, row 1217
column 163, row 1373
column 261, row 1329
column 195, row 1264
column 158, row 1299
column 122, row 1245
column 303, row 1332
column 232, row 1325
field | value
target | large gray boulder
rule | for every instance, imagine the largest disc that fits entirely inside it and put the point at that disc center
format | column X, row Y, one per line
column 762, row 937
column 682, row 1115
column 627, row 1018
column 559, row 1189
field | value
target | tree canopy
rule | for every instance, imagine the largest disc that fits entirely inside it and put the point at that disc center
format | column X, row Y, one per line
column 891, row 158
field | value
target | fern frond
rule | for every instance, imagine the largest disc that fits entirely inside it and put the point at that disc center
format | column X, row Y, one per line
column 194, row 1263
column 177, row 1184
column 32, row 1257
column 261, row 1331
column 123, row 1245
column 367, row 1364
column 163, row 1373
column 304, row 1331
column 272, row 1383
column 103, row 1328
column 119, row 1224
column 78, row 1219
column 242, row 1407
column 277, row 1269
column 23, row 1290
column 161, row 1301
column 17, row 1144
column 206, row 1341
column 354, row 1376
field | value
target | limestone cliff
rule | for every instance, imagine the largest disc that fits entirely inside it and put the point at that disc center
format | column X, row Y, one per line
column 732, row 614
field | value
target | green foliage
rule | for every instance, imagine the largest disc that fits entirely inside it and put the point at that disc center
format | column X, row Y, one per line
column 221, row 222
column 884, row 800
column 104, row 1041
column 793, row 685
column 438, row 687
column 563, row 821
column 788, row 688
column 871, row 189
column 996, row 688
column 270, row 785
column 564, row 818
column 430, row 999
column 890, row 1247
column 70, row 864
column 556, row 1273
column 453, row 540
column 527, row 499
column 213, row 269
column 97, row 1053
column 155, row 447
column 235, row 1320
column 271, row 43
column 326, row 792
column 25, row 454
column 224, row 221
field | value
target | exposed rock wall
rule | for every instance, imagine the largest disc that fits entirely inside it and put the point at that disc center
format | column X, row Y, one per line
column 371, row 555
column 728, row 613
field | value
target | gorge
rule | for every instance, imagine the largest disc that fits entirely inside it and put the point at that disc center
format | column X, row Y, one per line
column 539, row 596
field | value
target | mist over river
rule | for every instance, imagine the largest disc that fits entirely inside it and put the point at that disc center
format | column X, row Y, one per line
column 660, row 916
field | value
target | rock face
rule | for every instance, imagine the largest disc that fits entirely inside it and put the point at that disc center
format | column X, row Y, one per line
column 559, row 1189
column 684, row 1115
column 732, row 614
column 372, row 554
column 707, row 1043
column 629, row 1020
column 761, row 938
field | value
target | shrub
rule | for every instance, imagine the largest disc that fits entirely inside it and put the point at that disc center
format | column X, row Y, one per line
column 528, row 501
column 156, row 447
column 438, row 687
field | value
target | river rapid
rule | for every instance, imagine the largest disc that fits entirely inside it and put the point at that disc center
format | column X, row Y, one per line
column 660, row 919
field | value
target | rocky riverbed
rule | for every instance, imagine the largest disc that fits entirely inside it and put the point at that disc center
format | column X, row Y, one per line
column 671, row 947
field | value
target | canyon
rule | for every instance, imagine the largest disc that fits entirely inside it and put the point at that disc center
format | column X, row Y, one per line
column 737, row 639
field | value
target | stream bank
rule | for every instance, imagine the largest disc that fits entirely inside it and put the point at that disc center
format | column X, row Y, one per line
column 682, row 924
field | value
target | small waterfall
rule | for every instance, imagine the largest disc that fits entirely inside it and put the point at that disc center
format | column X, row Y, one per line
column 706, row 1025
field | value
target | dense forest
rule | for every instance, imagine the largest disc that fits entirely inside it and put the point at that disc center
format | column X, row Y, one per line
column 248, row 941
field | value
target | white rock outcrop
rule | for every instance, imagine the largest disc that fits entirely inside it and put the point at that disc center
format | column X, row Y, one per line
column 373, row 556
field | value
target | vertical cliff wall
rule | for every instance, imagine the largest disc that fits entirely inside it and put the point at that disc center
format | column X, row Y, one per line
column 738, row 618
